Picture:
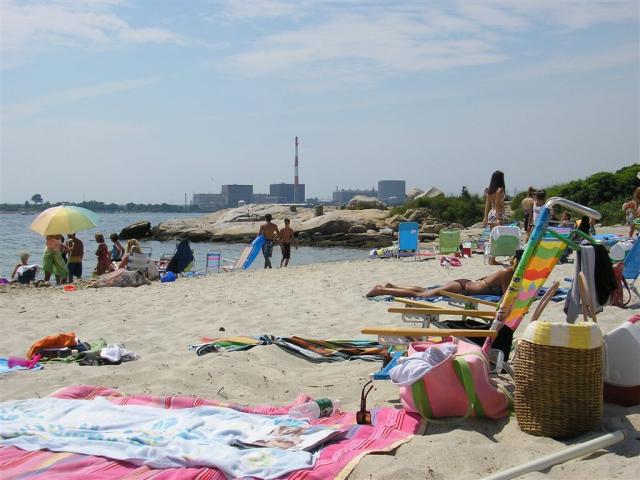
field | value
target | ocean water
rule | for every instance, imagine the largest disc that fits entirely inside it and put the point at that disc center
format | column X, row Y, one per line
column 16, row 237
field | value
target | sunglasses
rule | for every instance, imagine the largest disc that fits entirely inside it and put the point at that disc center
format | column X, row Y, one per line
column 363, row 417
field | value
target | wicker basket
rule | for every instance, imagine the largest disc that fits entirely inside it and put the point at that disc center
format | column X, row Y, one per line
column 558, row 389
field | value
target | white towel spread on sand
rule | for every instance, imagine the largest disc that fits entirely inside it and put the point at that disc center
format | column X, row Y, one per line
column 158, row 437
column 412, row 368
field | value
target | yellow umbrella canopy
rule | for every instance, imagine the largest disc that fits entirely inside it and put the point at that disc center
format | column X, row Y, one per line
column 63, row 220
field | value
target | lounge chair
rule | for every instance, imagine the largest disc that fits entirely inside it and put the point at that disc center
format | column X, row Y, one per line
column 541, row 254
column 213, row 261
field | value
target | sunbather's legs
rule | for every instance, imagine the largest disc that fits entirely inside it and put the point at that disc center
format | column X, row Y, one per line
column 397, row 291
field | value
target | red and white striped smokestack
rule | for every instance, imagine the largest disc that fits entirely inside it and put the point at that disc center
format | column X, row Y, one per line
column 295, row 175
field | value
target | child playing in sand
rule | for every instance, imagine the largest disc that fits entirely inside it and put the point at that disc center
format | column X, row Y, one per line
column 102, row 252
column 286, row 237
column 52, row 261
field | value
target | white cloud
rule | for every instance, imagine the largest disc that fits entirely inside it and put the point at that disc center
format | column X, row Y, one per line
column 246, row 9
column 377, row 46
column 361, row 42
column 71, row 23
column 33, row 107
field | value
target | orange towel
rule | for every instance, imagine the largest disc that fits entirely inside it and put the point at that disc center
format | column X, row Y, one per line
column 53, row 341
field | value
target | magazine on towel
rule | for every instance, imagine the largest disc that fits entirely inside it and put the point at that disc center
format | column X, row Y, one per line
column 293, row 435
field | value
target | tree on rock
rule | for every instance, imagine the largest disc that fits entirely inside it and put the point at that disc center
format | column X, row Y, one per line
column 37, row 198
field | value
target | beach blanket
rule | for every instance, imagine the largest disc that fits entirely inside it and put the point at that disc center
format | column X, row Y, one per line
column 310, row 349
column 4, row 366
column 390, row 428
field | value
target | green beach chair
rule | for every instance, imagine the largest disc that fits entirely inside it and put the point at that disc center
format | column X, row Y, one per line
column 449, row 241
column 504, row 240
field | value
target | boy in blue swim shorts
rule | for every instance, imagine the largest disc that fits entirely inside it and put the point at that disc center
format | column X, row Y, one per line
column 270, row 232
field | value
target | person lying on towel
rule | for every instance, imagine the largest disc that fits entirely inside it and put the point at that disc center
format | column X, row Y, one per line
column 494, row 284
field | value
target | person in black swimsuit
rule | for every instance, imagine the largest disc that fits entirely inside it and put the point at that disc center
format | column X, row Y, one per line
column 494, row 284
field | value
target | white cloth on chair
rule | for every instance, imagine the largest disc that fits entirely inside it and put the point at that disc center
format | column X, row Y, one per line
column 585, row 263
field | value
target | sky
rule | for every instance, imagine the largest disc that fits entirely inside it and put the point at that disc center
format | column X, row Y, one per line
column 144, row 101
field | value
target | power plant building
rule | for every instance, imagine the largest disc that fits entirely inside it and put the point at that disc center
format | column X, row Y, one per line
column 232, row 194
column 287, row 192
column 392, row 192
column 208, row 201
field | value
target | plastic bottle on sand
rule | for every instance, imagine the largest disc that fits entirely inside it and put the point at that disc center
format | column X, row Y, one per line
column 322, row 407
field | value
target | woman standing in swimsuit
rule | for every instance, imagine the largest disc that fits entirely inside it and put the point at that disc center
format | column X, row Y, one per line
column 494, row 284
column 494, row 200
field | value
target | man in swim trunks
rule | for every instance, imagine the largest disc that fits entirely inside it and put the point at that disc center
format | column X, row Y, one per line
column 270, row 232
column 494, row 284
column 286, row 238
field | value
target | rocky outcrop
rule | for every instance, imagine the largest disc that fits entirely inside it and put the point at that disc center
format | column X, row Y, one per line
column 431, row 193
column 413, row 193
column 242, row 224
column 136, row 230
column 360, row 202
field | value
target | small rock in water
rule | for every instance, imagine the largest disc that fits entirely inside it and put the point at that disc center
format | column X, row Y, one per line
column 221, row 329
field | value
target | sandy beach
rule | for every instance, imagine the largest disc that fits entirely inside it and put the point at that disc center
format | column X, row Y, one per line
column 322, row 301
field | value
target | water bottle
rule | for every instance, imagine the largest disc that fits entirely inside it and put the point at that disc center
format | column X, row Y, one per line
column 322, row 407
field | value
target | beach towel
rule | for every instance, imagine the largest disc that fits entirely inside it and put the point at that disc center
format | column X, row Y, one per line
column 390, row 428
column 4, row 366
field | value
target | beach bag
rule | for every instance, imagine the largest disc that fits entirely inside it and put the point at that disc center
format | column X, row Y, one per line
column 558, row 375
column 459, row 386
column 617, row 295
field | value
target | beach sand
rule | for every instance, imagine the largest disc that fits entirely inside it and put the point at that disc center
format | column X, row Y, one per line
column 322, row 301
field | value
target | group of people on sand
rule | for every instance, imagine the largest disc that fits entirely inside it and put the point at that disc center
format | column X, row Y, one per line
column 63, row 259
column 272, row 234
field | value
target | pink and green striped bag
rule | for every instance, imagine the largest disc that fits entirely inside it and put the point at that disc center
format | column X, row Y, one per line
column 459, row 386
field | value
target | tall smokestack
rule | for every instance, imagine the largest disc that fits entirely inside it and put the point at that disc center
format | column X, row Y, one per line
column 295, row 177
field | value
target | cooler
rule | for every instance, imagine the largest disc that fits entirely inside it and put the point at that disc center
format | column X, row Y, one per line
column 622, row 366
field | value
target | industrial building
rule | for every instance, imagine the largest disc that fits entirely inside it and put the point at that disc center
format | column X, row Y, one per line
column 208, row 202
column 392, row 192
column 232, row 194
column 287, row 192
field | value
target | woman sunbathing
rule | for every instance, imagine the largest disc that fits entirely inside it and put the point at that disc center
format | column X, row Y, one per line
column 494, row 284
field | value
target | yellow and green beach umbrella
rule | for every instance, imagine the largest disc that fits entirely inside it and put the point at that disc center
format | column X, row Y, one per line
column 63, row 220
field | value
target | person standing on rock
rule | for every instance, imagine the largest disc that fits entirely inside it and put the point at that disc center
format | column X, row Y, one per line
column 287, row 234
column 270, row 232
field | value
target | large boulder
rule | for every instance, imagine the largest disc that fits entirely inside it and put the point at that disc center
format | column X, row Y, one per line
column 358, row 229
column 419, row 215
column 335, row 226
column 136, row 230
column 431, row 193
column 413, row 193
column 395, row 220
column 361, row 202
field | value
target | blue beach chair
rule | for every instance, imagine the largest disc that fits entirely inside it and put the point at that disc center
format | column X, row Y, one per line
column 632, row 267
column 408, row 239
